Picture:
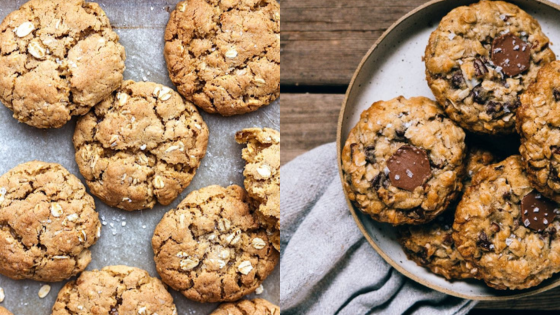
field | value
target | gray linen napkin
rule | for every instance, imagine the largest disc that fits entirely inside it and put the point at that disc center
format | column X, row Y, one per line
column 327, row 266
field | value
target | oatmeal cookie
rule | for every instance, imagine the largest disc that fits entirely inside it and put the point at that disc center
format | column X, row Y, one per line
column 4, row 311
column 142, row 144
column 506, row 229
column 538, row 124
column 58, row 58
column 47, row 223
column 247, row 307
column 480, row 59
column 114, row 290
column 403, row 161
column 262, row 176
column 431, row 245
column 211, row 247
column 224, row 56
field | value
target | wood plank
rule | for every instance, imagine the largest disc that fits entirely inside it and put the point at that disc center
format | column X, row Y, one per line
column 323, row 41
column 309, row 120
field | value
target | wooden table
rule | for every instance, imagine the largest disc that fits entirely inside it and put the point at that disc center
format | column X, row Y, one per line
column 322, row 43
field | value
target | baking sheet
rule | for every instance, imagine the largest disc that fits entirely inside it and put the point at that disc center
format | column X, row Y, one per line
column 141, row 25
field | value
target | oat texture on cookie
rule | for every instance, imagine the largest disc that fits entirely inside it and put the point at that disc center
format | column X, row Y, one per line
column 539, row 127
column 262, row 176
column 224, row 56
column 248, row 307
column 403, row 163
column 479, row 61
column 114, row 290
column 498, row 228
column 141, row 145
column 47, row 223
column 58, row 58
column 211, row 248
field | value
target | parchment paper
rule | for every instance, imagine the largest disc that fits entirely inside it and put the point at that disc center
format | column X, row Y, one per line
column 141, row 26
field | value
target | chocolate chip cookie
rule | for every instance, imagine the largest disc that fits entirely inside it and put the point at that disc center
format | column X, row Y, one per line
column 262, row 176
column 4, row 311
column 211, row 247
column 58, row 58
column 224, row 56
column 47, row 223
column 539, row 127
column 142, row 144
column 114, row 290
column 247, row 307
column 480, row 59
column 507, row 229
column 403, row 163
column 431, row 245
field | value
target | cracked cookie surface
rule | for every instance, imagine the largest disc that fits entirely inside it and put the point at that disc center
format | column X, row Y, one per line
column 224, row 56
column 211, row 248
column 262, row 176
column 490, row 230
column 248, row 307
column 410, row 134
column 114, row 290
column 539, row 127
column 47, row 223
column 480, row 59
column 58, row 59
column 431, row 245
column 142, row 144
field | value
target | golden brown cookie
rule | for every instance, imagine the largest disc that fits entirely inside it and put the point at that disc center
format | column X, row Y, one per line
column 224, row 56
column 142, row 144
column 4, row 311
column 539, row 127
column 247, row 307
column 47, row 223
column 403, row 162
column 480, row 59
column 58, row 58
column 431, row 245
column 262, row 176
column 506, row 229
column 211, row 248
column 114, row 290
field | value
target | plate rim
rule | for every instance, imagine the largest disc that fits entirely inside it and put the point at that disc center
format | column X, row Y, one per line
column 360, row 225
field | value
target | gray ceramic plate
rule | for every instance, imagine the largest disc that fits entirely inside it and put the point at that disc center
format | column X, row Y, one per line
column 394, row 67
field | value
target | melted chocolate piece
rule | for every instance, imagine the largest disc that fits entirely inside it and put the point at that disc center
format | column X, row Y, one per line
column 511, row 53
column 537, row 212
column 556, row 95
column 409, row 167
column 479, row 68
column 457, row 80
column 370, row 154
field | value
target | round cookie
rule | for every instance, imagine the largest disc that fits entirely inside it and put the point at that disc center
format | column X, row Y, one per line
column 506, row 229
column 47, row 223
column 262, row 176
column 142, row 144
column 248, row 307
column 431, row 245
column 4, row 311
column 114, row 290
column 403, row 161
column 539, row 127
column 58, row 58
column 480, row 59
column 211, row 247
column 224, row 56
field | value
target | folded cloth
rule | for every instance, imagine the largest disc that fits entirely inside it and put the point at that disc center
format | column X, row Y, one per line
column 326, row 265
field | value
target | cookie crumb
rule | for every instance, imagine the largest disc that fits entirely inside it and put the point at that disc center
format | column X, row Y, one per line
column 44, row 291
column 2, row 295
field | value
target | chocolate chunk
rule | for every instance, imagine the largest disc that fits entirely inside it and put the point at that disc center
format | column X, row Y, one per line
column 457, row 80
column 556, row 95
column 483, row 242
column 479, row 68
column 479, row 94
column 493, row 107
column 537, row 212
column 409, row 167
column 370, row 154
column 495, row 227
column 511, row 53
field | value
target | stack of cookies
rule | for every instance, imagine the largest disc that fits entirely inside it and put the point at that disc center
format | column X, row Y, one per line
column 462, row 210
column 139, row 144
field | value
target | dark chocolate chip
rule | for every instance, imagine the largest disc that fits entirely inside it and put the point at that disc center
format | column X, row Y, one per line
column 409, row 167
column 499, row 167
column 370, row 154
column 400, row 133
column 493, row 107
column 479, row 68
column 479, row 94
column 537, row 212
column 448, row 239
column 483, row 242
column 377, row 180
column 511, row 53
column 417, row 213
column 457, row 80
column 495, row 227
column 556, row 95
